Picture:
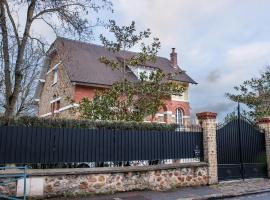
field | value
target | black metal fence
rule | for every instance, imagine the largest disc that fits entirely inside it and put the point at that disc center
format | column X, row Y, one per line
column 240, row 150
column 69, row 145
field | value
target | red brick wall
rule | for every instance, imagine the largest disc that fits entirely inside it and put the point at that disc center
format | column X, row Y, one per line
column 84, row 91
column 171, row 106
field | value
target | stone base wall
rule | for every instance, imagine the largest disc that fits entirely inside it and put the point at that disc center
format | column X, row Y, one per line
column 74, row 182
column 9, row 188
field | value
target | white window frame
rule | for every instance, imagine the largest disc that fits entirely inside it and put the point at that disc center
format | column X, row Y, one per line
column 55, row 76
column 54, row 67
column 178, row 113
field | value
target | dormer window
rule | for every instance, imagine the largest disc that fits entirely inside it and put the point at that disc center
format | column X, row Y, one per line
column 139, row 70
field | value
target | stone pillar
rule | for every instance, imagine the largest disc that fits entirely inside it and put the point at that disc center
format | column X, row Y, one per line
column 208, row 123
column 264, row 123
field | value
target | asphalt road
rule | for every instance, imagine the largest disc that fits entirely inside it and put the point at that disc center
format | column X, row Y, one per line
column 263, row 196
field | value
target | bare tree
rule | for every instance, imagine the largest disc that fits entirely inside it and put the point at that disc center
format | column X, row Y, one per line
column 30, row 70
column 17, row 40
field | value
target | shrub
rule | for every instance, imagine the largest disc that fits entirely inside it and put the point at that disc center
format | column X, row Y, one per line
column 28, row 121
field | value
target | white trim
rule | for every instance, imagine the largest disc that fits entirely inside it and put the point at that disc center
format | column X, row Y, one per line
column 36, row 100
column 54, row 100
column 168, row 112
column 41, row 80
column 186, row 101
column 160, row 122
column 45, row 115
column 55, row 77
column 146, row 121
column 54, row 67
column 185, row 117
column 68, row 107
column 61, row 109
column 160, row 115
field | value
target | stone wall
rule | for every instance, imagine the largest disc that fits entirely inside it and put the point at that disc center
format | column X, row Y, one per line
column 9, row 188
column 62, row 89
column 65, row 182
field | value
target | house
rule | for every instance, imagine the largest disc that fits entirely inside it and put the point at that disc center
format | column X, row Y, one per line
column 72, row 70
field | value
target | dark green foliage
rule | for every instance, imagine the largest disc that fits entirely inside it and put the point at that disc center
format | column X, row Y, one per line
column 255, row 94
column 132, row 102
column 234, row 116
column 88, row 124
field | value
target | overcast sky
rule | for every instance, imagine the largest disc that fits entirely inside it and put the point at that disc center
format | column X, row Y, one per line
column 220, row 43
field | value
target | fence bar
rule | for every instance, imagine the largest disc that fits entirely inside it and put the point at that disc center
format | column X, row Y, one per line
column 64, row 145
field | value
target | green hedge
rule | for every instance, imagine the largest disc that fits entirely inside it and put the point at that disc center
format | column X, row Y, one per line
column 74, row 123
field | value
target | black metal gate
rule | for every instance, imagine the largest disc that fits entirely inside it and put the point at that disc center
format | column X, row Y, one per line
column 241, row 150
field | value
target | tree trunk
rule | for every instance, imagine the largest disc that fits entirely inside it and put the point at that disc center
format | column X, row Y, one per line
column 12, row 96
column 8, row 85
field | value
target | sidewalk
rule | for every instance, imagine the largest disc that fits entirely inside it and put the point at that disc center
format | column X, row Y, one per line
column 220, row 191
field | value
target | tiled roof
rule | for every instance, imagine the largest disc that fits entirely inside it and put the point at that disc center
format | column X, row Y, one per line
column 82, row 64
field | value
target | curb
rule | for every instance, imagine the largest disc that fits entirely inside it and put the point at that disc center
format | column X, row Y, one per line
column 222, row 196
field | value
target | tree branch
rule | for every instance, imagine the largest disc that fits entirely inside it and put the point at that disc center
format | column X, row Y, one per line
column 12, row 23
column 52, row 10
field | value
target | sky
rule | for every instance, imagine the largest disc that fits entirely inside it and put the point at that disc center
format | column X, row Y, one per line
column 220, row 43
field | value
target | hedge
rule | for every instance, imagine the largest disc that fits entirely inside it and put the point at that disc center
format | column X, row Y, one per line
column 27, row 121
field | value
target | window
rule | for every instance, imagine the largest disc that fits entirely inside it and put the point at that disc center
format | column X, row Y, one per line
column 55, row 76
column 55, row 105
column 138, row 70
column 179, row 116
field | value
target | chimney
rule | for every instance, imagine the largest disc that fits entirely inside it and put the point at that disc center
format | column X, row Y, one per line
column 174, row 58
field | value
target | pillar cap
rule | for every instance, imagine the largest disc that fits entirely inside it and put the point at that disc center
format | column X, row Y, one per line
column 265, row 120
column 206, row 115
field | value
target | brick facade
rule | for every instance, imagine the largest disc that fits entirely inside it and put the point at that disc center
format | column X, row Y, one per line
column 68, row 92
column 84, row 91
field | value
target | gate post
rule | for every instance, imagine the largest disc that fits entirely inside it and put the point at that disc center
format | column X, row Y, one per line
column 208, row 123
column 264, row 123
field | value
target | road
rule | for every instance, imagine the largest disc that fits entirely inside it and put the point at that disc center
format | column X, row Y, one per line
column 263, row 196
column 164, row 196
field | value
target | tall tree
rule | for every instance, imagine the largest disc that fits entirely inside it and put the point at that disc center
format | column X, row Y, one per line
column 63, row 16
column 126, row 100
column 30, row 69
column 255, row 94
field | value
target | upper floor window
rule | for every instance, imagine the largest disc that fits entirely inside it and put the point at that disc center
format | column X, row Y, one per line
column 55, row 76
column 179, row 116
column 54, row 71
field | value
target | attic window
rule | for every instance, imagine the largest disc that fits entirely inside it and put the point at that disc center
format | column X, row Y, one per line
column 139, row 70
